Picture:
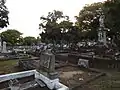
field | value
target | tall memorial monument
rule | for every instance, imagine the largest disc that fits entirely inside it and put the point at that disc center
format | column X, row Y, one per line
column 4, row 49
column 102, row 30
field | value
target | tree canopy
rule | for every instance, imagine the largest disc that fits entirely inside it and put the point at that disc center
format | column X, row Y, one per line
column 52, row 26
column 57, row 27
column 112, row 8
column 29, row 40
column 11, row 36
column 3, row 14
column 87, row 20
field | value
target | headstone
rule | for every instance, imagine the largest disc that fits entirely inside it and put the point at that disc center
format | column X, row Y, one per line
column 47, row 64
column 83, row 62
column 4, row 50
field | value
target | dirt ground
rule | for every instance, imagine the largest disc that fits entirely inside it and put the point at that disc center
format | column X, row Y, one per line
column 72, row 76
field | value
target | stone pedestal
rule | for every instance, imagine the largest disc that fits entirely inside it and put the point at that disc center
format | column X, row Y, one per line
column 53, row 75
column 102, row 37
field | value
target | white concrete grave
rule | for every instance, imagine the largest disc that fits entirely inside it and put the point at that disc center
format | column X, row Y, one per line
column 51, row 84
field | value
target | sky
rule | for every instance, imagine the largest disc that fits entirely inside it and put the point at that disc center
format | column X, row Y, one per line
column 24, row 15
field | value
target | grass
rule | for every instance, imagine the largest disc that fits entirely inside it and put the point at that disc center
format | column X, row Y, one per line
column 8, row 66
column 109, row 82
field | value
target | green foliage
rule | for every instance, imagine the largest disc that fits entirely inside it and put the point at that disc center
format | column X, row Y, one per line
column 86, row 26
column 30, row 40
column 65, row 26
column 52, row 26
column 3, row 14
column 73, row 35
column 87, row 20
column 112, row 8
column 12, row 37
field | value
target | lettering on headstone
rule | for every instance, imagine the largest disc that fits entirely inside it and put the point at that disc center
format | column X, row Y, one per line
column 47, row 61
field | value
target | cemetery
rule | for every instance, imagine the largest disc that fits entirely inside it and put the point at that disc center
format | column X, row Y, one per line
column 8, row 54
column 67, row 55
column 60, row 69
column 70, row 74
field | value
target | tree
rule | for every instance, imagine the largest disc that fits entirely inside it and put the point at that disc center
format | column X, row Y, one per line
column 29, row 40
column 51, row 26
column 3, row 14
column 12, row 37
column 112, row 21
column 73, row 35
column 65, row 27
column 88, row 20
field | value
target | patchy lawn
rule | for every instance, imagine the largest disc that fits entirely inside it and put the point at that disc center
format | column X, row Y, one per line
column 108, row 82
column 8, row 66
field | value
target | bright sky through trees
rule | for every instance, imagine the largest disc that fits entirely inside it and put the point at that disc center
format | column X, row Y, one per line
column 25, row 14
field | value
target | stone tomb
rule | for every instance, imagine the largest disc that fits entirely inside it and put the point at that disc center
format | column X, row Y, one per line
column 29, row 80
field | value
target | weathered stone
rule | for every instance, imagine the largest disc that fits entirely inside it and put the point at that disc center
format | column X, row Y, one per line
column 4, row 50
column 47, row 64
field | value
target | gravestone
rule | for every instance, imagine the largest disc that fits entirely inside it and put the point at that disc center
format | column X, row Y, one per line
column 47, row 64
column 84, row 63
column 4, row 50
